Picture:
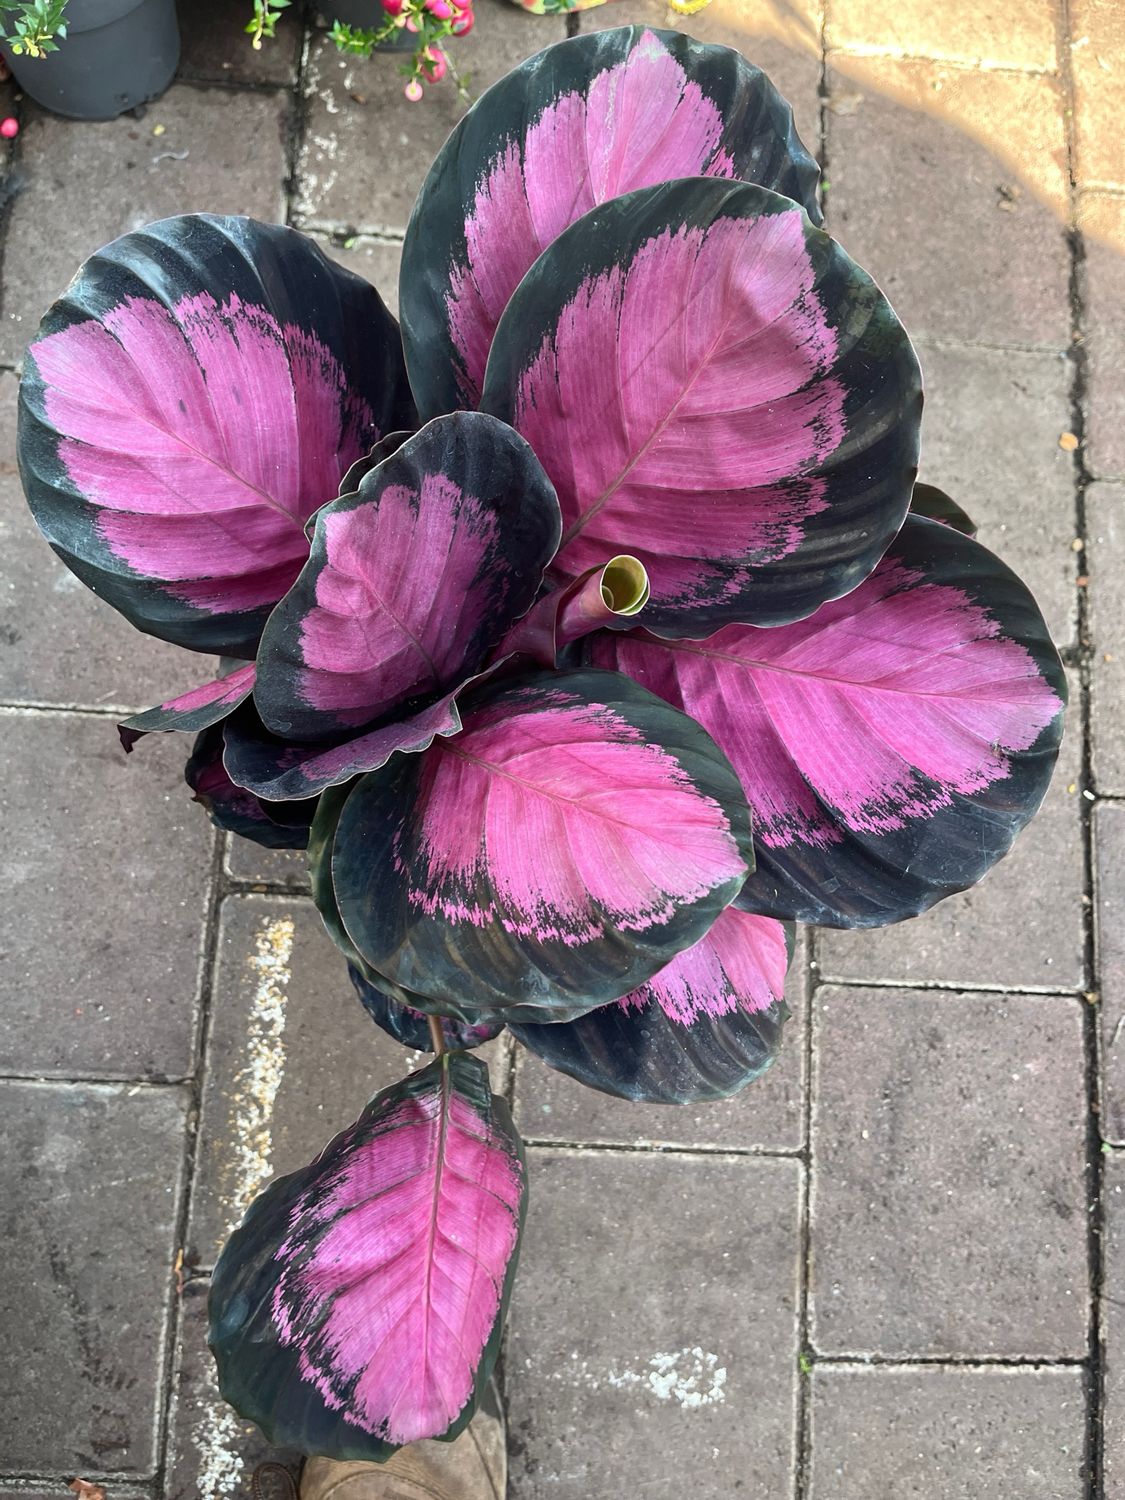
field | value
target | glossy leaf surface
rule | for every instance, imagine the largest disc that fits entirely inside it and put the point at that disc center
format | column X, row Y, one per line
column 410, row 581
column 274, row 825
column 927, row 500
column 891, row 746
column 702, row 1028
column 713, row 386
column 359, row 1305
column 578, row 124
column 411, row 1027
column 193, row 710
column 196, row 394
column 558, row 852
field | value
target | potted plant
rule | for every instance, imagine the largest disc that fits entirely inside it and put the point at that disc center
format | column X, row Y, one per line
column 590, row 630
column 91, row 59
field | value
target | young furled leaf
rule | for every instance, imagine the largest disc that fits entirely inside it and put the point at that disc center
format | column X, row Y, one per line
column 702, row 1028
column 576, row 125
column 411, row 580
column 359, row 1306
column 893, row 745
column 570, row 841
column 713, row 386
column 192, row 399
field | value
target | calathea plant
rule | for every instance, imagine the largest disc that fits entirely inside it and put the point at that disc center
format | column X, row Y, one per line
column 584, row 629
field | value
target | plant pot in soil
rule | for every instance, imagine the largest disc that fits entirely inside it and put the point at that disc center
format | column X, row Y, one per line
column 116, row 54
column 365, row 15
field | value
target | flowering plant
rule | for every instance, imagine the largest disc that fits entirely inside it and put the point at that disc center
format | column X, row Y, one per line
column 627, row 641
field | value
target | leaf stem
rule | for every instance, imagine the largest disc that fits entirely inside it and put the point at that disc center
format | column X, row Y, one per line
column 437, row 1036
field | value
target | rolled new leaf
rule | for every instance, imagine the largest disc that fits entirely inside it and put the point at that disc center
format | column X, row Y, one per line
column 714, row 386
column 927, row 500
column 569, row 842
column 580, row 123
column 703, row 1028
column 359, row 1305
column 893, row 745
column 196, row 394
column 410, row 581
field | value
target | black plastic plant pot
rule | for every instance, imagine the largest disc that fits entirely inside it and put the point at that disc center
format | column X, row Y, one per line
column 365, row 15
column 116, row 54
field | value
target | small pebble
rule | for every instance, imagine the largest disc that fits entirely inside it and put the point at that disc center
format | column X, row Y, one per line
column 9, row 128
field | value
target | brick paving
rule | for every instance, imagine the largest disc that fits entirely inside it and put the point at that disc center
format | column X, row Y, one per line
column 889, row 1269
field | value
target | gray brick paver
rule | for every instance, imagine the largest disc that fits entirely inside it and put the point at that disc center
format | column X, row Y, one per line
column 1105, row 525
column 1109, row 888
column 1101, row 218
column 948, row 1192
column 934, row 1434
column 91, row 1188
column 1112, row 1329
column 641, row 1278
column 104, row 891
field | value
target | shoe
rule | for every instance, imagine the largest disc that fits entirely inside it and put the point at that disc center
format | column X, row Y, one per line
column 472, row 1467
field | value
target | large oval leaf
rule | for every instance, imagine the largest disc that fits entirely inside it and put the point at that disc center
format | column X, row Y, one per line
column 565, row 846
column 582, row 122
column 412, row 1027
column 192, row 399
column 359, row 1306
column 713, row 386
column 893, row 745
column 411, row 580
column 702, row 1028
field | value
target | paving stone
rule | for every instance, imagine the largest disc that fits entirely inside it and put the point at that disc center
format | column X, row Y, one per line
column 1097, row 29
column 1021, row 927
column 1109, row 856
column 653, row 1339
column 91, row 183
column 212, row 1452
column 106, row 869
column 990, row 437
column 948, row 1212
column 1112, row 1331
column 784, row 41
column 768, row 1115
column 362, row 164
column 377, row 261
column 92, row 1180
column 1105, row 526
column 217, row 49
column 886, row 1434
column 1005, row 33
column 949, row 186
column 245, row 860
column 58, row 643
column 1102, row 221
column 292, row 1059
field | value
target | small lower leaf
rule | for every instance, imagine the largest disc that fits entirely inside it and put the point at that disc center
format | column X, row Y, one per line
column 412, row 1028
column 703, row 1028
column 359, row 1305
column 274, row 825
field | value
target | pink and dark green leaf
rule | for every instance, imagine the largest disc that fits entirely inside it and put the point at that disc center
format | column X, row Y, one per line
column 283, row 770
column 384, row 448
column 411, row 581
column 412, row 1027
column 564, row 847
column 578, row 124
column 196, row 394
column 359, row 1306
column 194, row 710
column 893, row 745
column 712, row 385
column 274, row 825
column 703, row 1028
column 927, row 500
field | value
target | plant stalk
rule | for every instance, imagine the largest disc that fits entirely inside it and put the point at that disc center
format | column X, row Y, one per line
column 437, row 1036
